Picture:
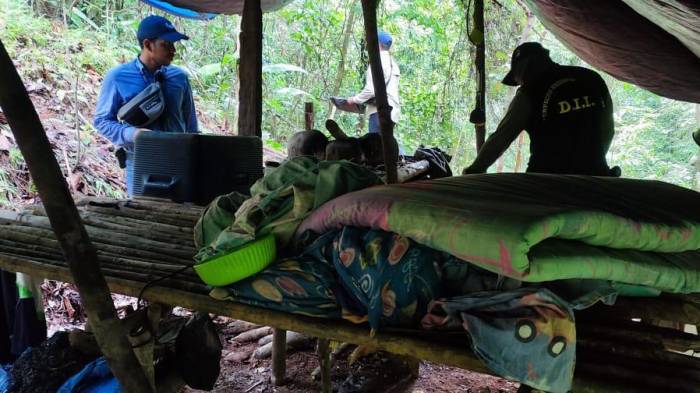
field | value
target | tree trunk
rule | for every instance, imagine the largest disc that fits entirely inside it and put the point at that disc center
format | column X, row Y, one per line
column 523, row 38
column 519, row 152
column 347, row 33
column 250, row 94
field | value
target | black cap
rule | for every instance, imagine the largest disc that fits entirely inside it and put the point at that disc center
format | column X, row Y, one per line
column 696, row 136
column 520, row 53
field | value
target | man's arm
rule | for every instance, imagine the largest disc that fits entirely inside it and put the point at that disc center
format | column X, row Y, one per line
column 366, row 93
column 512, row 124
column 189, row 110
column 105, row 119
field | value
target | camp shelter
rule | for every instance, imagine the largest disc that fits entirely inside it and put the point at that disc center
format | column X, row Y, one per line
column 650, row 43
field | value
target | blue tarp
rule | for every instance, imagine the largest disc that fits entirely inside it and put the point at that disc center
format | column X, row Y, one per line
column 179, row 11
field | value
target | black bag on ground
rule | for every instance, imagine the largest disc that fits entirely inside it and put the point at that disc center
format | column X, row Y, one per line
column 198, row 352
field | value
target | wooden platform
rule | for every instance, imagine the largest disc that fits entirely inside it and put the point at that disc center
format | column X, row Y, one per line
column 616, row 355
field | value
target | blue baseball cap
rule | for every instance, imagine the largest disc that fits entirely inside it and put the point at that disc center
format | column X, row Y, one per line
column 385, row 39
column 156, row 27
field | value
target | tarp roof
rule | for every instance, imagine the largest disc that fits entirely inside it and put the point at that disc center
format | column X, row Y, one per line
column 219, row 6
column 654, row 44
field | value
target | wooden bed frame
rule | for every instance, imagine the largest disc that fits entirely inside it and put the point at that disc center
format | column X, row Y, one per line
column 612, row 347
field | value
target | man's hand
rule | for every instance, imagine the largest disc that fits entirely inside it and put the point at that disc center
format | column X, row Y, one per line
column 471, row 171
column 139, row 131
column 350, row 100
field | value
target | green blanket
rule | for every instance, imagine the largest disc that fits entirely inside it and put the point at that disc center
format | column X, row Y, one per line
column 541, row 227
column 278, row 203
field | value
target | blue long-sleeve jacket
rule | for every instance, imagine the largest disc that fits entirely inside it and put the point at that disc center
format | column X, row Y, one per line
column 124, row 82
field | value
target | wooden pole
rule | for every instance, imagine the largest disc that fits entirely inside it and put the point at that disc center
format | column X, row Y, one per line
column 279, row 356
column 323, row 352
column 369, row 12
column 65, row 221
column 478, row 116
column 250, row 92
column 308, row 116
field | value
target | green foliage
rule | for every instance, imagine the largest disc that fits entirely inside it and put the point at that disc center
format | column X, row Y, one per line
column 302, row 55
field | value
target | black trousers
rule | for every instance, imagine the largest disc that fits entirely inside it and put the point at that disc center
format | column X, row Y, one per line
column 20, row 327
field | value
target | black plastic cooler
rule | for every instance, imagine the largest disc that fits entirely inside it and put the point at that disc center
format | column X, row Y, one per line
column 195, row 167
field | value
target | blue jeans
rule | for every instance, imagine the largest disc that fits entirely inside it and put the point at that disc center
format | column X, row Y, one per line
column 129, row 174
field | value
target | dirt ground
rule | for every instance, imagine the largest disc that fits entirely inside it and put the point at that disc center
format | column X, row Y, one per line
column 240, row 372
column 253, row 376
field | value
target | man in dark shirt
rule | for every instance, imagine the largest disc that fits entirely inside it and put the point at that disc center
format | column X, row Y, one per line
column 567, row 112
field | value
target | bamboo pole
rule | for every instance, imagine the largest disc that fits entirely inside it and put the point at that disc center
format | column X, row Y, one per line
column 116, row 219
column 640, row 351
column 118, row 245
column 369, row 12
column 627, row 331
column 79, row 252
column 674, row 308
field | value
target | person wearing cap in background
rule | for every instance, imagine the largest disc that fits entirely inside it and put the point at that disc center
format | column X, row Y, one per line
column 156, row 37
column 567, row 112
column 391, row 79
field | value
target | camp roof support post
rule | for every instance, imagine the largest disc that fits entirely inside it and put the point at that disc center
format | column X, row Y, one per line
column 68, row 228
column 323, row 352
column 250, row 91
column 478, row 116
column 386, row 126
column 279, row 356
column 308, row 116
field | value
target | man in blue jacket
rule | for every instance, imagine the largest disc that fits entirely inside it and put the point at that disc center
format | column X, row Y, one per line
column 157, row 37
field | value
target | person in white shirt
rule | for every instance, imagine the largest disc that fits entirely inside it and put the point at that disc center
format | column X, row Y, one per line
column 391, row 79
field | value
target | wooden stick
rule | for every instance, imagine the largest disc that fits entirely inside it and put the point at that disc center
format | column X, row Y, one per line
column 141, row 276
column 279, row 357
column 668, row 308
column 252, row 335
column 110, row 239
column 324, row 362
column 308, row 116
column 250, row 67
column 637, row 332
column 145, row 216
column 637, row 351
column 124, row 221
column 40, row 237
column 369, row 12
column 479, row 33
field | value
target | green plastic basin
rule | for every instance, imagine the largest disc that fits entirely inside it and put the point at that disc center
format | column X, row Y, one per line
column 238, row 264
